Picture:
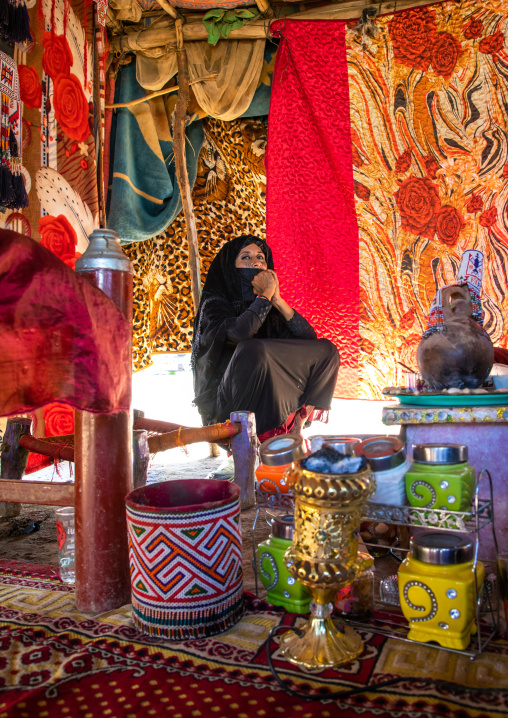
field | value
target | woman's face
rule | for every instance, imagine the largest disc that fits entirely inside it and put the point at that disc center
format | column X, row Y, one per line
column 251, row 256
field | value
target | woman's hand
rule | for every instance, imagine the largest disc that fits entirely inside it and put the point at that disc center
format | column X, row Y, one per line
column 265, row 283
column 279, row 303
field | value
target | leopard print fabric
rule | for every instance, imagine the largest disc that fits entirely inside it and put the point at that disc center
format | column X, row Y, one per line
column 229, row 199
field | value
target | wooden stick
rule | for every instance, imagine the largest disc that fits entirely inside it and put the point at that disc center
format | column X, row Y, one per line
column 46, row 448
column 14, row 459
column 156, row 94
column 256, row 29
column 168, row 8
column 265, row 8
column 160, row 427
column 182, row 437
column 179, row 122
column 45, row 493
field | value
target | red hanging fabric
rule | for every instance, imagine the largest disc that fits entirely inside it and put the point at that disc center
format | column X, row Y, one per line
column 310, row 211
column 61, row 338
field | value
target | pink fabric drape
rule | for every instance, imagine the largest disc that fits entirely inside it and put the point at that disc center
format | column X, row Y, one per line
column 310, row 211
column 60, row 337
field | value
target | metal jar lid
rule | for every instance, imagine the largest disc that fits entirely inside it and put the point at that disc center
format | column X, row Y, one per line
column 283, row 527
column 441, row 548
column 440, row 453
column 382, row 452
column 344, row 444
column 281, row 450
column 104, row 252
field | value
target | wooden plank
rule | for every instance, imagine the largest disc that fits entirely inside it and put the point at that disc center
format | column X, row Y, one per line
column 45, row 493
column 196, row 31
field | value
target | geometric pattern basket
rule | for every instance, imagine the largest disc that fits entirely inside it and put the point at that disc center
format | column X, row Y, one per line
column 185, row 551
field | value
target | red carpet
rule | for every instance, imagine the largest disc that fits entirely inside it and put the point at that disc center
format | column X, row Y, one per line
column 58, row 663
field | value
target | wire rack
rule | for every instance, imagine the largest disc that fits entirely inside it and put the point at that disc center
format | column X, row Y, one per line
column 388, row 621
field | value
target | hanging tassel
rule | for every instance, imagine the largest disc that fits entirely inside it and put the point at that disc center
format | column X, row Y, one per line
column 13, row 144
column 23, row 23
column 4, row 15
column 7, row 196
column 18, row 186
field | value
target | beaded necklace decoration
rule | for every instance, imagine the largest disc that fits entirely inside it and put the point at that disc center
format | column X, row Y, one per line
column 470, row 273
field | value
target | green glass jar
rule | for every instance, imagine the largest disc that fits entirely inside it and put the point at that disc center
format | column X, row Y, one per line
column 282, row 588
column 440, row 477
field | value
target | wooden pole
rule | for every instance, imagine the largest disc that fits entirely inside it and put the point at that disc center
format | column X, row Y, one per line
column 179, row 122
column 195, row 31
column 103, row 456
column 44, row 493
column 14, row 458
column 182, row 437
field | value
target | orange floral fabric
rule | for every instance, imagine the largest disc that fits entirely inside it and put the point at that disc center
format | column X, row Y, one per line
column 430, row 153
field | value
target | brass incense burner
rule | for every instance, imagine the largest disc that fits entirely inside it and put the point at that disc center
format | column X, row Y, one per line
column 324, row 557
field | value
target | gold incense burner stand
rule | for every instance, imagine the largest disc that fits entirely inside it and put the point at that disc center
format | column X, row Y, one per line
column 324, row 557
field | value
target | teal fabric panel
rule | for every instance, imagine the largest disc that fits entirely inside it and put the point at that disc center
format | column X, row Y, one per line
column 144, row 197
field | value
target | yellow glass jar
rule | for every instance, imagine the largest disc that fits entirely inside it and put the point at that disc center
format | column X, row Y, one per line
column 437, row 589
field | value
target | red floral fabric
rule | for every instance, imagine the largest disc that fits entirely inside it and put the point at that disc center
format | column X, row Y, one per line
column 310, row 212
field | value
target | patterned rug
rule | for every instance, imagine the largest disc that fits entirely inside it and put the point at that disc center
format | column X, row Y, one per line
column 58, row 662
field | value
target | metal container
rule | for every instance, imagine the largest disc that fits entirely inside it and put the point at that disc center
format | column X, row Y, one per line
column 382, row 452
column 283, row 527
column 437, row 590
column 344, row 444
column 442, row 549
column 440, row 453
column 282, row 588
column 104, row 252
column 282, row 450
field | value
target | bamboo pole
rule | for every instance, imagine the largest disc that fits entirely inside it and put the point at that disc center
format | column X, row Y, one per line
column 265, row 8
column 194, row 30
column 179, row 121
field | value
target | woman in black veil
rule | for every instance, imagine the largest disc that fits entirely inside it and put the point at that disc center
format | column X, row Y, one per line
column 251, row 351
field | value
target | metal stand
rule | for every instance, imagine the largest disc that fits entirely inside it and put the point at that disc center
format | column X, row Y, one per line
column 481, row 515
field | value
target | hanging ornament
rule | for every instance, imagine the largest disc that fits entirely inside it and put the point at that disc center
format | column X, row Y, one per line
column 12, row 187
column 14, row 21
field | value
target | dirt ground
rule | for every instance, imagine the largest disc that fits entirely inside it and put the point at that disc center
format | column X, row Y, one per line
column 31, row 536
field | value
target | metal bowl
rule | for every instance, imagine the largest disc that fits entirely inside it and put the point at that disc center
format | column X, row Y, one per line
column 344, row 444
column 440, row 453
column 382, row 452
column 282, row 449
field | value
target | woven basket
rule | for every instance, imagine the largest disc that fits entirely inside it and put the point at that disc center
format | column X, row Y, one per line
column 185, row 552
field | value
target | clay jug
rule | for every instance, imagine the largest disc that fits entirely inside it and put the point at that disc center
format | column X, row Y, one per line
column 462, row 354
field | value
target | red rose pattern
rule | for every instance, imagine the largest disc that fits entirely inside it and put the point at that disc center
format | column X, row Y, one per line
column 505, row 171
column 492, row 44
column 404, row 161
column 473, row 29
column 58, row 419
column 29, row 86
column 71, row 107
column 449, row 222
column 361, row 191
column 444, row 54
column 489, row 217
column 475, row 204
column 418, row 201
column 412, row 35
column 432, row 166
column 57, row 56
column 58, row 235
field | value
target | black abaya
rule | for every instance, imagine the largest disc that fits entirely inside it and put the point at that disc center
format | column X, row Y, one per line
column 247, row 357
